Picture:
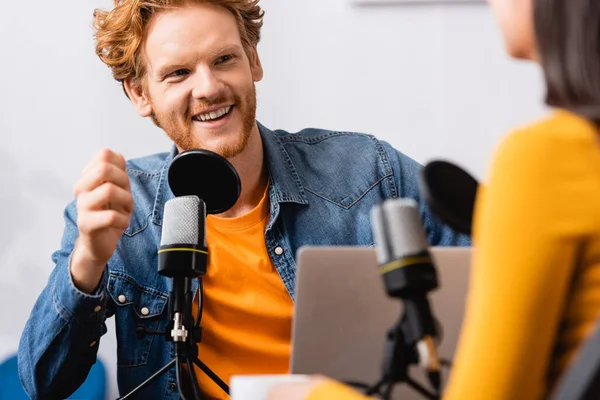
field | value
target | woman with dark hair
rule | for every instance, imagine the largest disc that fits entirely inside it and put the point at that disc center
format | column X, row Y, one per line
column 535, row 289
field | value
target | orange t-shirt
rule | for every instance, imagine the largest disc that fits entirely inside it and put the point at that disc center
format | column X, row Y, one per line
column 247, row 312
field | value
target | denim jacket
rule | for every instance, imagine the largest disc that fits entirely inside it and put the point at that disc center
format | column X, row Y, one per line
column 323, row 186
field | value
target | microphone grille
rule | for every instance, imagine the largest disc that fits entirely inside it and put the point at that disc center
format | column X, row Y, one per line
column 380, row 235
column 181, row 221
column 405, row 227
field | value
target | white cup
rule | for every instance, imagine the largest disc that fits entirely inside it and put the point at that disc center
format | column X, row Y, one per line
column 256, row 387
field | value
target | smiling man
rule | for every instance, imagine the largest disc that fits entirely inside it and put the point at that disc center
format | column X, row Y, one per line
column 191, row 66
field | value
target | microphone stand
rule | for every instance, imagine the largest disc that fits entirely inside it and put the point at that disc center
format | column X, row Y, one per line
column 399, row 355
column 409, row 274
column 185, row 335
column 176, row 258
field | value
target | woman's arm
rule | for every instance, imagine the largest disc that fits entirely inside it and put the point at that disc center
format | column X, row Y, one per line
column 527, row 232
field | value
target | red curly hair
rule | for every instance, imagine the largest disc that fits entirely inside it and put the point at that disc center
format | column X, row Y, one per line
column 119, row 33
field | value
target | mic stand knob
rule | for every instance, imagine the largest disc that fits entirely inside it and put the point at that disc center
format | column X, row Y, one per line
column 179, row 333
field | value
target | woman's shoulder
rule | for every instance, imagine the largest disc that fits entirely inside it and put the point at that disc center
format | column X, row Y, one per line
column 561, row 135
column 561, row 128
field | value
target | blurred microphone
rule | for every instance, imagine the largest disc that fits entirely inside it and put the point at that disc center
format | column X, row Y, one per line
column 409, row 274
column 450, row 193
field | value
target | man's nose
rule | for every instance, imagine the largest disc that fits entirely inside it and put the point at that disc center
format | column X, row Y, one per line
column 207, row 85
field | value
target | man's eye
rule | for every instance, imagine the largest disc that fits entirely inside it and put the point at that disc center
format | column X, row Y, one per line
column 179, row 73
column 224, row 59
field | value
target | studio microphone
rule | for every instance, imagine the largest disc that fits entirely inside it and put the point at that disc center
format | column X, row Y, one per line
column 183, row 249
column 203, row 183
column 183, row 255
column 409, row 273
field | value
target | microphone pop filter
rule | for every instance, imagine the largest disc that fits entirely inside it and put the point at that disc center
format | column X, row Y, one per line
column 450, row 193
column 209, row 176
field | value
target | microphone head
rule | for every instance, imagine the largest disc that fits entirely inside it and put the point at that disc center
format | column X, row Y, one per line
column 405, row 228
column 402, row 248
column 397, row 229
column 450, row 193
column 206, row 175
column 183, row 251
column 380, row 235
column 183, row 222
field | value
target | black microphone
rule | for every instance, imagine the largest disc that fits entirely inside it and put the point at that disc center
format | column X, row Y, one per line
column 408, row 273
column 450, row 193
column 183, row 249
column 183, row 252
column 203, row 183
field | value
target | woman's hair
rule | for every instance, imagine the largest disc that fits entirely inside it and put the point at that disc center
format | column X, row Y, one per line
column 119, row 33
column 568, row 41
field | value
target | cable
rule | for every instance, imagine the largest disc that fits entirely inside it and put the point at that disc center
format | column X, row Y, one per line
column 178, row 374
column 200, row 302
column 194, row 380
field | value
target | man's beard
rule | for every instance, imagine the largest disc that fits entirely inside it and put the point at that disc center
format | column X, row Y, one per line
column 181, row 133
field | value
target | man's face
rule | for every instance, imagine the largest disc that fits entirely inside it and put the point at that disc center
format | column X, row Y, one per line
column 199, row 85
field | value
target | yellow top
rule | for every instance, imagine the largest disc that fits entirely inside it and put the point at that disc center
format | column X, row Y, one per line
column 247, row 311
column 535, row 287
column 333, row 390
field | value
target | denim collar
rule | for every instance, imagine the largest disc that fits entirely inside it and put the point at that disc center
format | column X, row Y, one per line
column 285, row 182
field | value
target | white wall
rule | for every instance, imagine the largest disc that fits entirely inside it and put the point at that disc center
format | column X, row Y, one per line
column 432, row 80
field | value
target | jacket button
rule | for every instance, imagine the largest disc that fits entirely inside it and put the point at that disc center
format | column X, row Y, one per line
column 173, row 386
column 278, row 251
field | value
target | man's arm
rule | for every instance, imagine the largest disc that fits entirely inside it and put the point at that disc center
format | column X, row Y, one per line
column 60, row 341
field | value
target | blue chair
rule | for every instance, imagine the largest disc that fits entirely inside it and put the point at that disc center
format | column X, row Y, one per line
column 94, row 387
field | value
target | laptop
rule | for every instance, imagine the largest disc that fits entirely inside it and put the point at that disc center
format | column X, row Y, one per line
column 343, row 313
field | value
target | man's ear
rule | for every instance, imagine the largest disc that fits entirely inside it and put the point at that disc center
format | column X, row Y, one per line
column 255, row 65
column 140, row 99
